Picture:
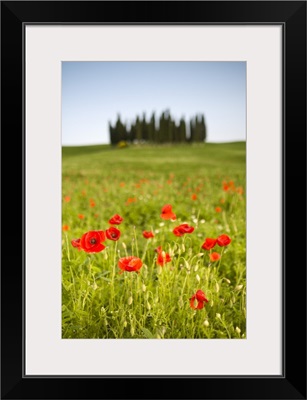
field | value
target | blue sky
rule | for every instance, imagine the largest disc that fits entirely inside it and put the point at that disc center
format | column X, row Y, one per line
column 93, row 93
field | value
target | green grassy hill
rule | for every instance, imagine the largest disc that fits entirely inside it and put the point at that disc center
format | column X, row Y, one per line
column 196, row 157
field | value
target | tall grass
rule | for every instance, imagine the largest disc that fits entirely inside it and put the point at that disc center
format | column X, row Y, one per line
column 100, row 302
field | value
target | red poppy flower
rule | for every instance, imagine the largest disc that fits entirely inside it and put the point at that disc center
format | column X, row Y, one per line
column 92, row 203
column 223, row 240
column 76, row 243
column 214, row 256
column 81, row 216
column 197, row 300
column 148, row 234
column 182, row 229
column 65, row 227
column 194, row 196
column 163, row 257
column 90, row 242
column 209, row 244
column 113, row 233
column 130, row 263
column 115, row 220
column 167, row 212
column 218, row 209
column 67, row 199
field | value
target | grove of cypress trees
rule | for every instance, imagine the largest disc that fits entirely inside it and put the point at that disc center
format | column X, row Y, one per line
column 167, row 131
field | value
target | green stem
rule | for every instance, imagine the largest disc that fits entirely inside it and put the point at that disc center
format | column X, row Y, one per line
column 222, row 322
column 218, row 266
column 145, row 250
column 113, row 276
column 136, row 243
column 67, row 246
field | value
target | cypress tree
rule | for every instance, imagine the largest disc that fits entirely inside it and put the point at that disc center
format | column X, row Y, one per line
column 170, row 129
column 144, row 128
column 138, row 128
column 162, row 132
column 132, row 133
column 192, row 130
column 114, row 135
column 121, row 131
column 182, row 131
column 204, row 129
column 197, row 133
column 152, row 129
column 111, row 133
column 176, row 133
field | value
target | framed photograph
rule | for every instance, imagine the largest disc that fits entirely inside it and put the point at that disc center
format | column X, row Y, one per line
column 163, row 182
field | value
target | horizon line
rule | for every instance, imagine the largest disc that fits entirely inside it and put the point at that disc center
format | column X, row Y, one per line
column 109, row 144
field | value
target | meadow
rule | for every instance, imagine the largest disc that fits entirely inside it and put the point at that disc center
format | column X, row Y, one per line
column 188, row 275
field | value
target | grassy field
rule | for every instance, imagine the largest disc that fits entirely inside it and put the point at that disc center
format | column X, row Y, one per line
column 205, row 185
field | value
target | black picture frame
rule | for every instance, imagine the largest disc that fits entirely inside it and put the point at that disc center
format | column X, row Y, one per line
column 292, row 383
